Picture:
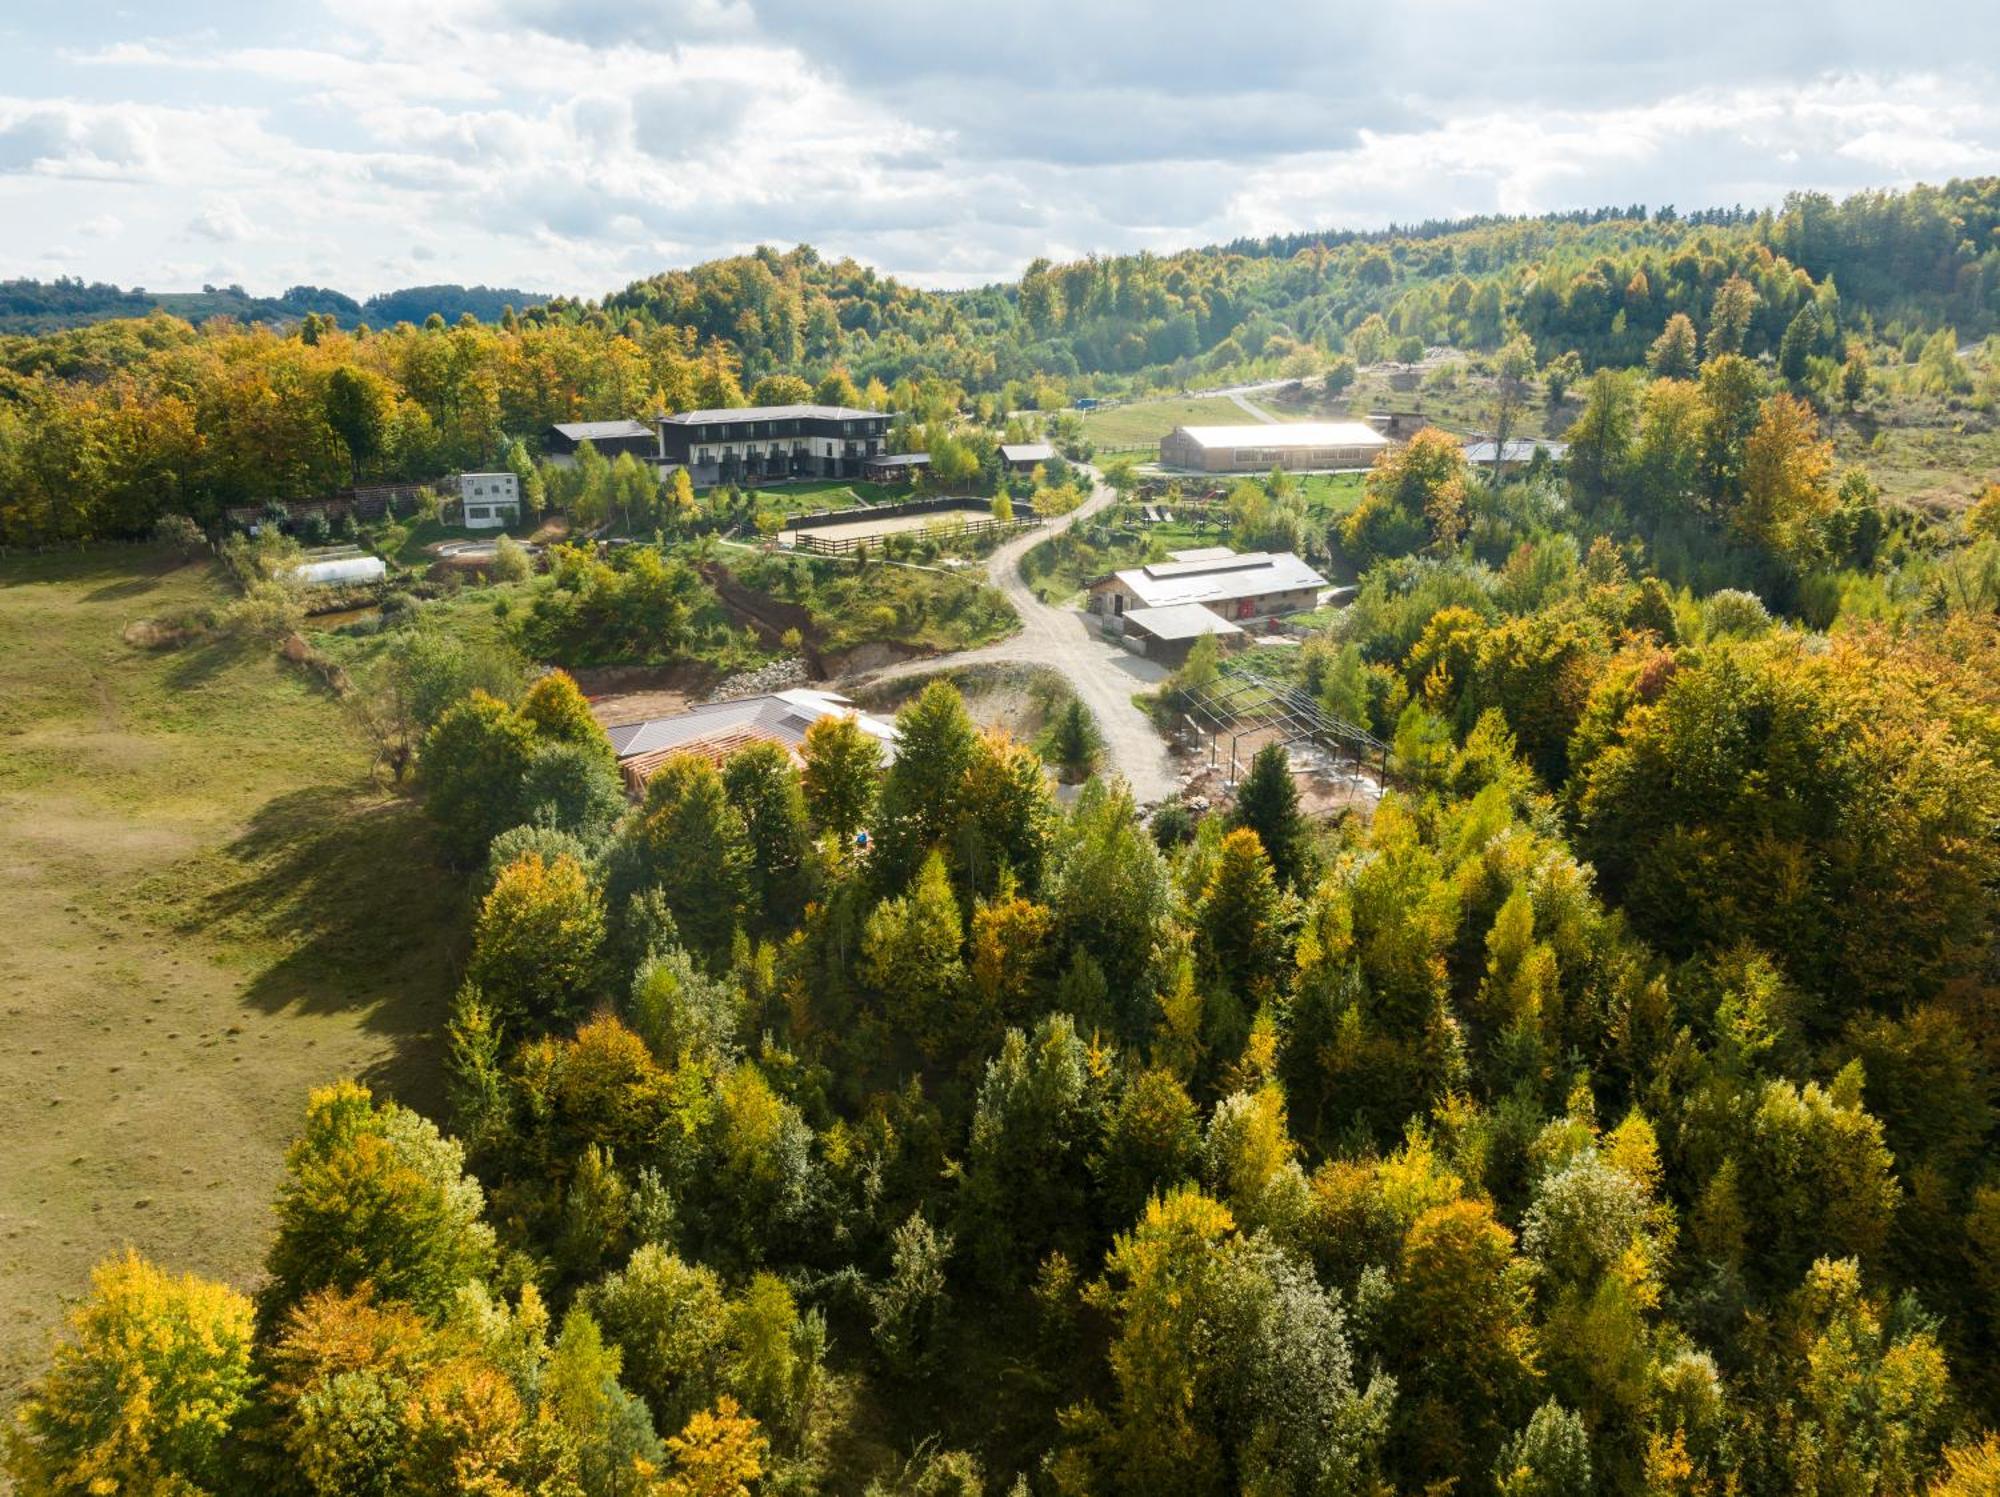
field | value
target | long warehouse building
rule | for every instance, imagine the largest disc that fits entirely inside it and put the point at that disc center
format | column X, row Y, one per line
column 1266, row 445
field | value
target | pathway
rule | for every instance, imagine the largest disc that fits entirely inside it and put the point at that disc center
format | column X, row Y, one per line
column 1253, row 408
column 1101, row 672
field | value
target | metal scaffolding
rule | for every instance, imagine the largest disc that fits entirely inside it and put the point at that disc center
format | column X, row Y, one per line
column 1246, row 703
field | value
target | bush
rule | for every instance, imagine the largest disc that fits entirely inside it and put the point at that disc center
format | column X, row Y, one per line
column 511, row 562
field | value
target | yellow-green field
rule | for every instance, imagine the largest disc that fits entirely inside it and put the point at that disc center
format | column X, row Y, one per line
column 1143, row 422
column 209, row 910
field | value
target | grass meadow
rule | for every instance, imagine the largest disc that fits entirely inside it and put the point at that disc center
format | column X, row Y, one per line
column 210, row 909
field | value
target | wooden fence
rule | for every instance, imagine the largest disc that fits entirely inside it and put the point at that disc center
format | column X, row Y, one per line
column 819, row 545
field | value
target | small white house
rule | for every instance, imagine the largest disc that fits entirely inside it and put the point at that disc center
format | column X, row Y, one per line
column 489, row 500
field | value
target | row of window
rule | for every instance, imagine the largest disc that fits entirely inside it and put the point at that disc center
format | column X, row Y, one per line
column 736, row 431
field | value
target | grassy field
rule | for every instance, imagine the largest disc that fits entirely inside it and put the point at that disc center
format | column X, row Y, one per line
column 211, row 909
column 830, row 493
column 1144, row 422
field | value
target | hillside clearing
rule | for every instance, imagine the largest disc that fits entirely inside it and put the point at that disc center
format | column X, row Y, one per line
column 212, row 910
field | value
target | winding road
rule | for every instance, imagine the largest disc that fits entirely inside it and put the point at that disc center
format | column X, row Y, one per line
column 1101, row 672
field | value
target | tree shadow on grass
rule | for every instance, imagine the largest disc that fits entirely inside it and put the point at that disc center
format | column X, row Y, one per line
column 345, row 885
column 26, row 568
column 197, row 664
column 129, row 587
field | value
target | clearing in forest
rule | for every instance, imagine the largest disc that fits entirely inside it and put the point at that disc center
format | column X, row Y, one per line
column 210, row 910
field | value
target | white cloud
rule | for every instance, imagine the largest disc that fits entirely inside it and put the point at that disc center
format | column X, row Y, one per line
column 569, row 146
column 223, row 220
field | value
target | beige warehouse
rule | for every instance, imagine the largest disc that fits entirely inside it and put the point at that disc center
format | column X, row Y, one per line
column 1259, row 448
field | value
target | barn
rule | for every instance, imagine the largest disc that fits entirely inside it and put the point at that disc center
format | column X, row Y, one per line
column 1168, row 634
column 715, row 730
column 1234, row 585
column 1258, row 448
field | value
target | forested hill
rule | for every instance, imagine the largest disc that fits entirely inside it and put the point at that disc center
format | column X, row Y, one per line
column 28, row 306
column 103, row 426
column 1603, row 283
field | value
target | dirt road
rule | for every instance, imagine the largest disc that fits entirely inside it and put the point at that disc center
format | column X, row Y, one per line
column 1251, row 408
column 1101, row 672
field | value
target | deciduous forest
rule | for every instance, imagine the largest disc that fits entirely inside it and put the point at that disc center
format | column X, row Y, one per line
column 1606, row 1108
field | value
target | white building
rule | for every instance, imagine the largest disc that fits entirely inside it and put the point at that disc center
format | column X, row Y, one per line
column 489, row 500
column 1309, row 445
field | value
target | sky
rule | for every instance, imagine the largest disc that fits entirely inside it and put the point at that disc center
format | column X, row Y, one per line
column 572, row 146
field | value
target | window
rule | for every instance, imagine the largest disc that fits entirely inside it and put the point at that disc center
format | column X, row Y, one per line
column 482, row 513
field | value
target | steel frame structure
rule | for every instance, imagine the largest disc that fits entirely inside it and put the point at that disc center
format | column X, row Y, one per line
column 1246, row 702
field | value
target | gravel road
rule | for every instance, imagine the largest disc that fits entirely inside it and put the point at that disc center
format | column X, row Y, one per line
column 1101, row 672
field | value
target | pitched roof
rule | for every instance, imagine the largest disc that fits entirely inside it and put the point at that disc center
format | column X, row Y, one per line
column 901, row 460
column 777, row 717
column 1287, row 434
column 1026, row 452
column 1179, row 621
column 602, row 431
column 765, row 413
column 1249, row 574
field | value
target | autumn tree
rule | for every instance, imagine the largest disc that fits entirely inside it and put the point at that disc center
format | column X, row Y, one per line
column 689, row 842
column 1786, row 493
column 472, row 767
column 1463, row 1344
column 1231, row 1365
column 1729, row 316
column 374, row 1195
column 536, row 943
column 1239, row 912
column 921, row 797
column 842, row 771
column 1672, row 355
column 910, row 954
column 143, row 1393
column 558, row 712
column 764, row 788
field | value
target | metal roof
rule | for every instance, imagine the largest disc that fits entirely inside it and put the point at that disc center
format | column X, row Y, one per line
column 1252, row 574
column 779, row 716
column 598, row 431
column 766, row 413
column 1519, row 450
column 1287, row 434
column 1026, row 452
column 1179, row 621
column 901, row 460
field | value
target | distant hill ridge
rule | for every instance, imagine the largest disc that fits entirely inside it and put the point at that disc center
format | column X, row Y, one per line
column 29, row 306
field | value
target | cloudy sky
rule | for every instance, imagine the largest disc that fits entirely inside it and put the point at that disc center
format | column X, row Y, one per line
column 572, row 145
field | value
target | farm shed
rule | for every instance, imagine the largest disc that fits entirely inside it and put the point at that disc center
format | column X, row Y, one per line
column 1167, row 634
column 1025, row 457
column 1245, row 585
column 1266, row 445
column 715, row 730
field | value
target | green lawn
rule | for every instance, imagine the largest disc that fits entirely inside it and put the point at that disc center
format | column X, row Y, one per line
column 211, row 909
column 1142, row 423
column 830, row 493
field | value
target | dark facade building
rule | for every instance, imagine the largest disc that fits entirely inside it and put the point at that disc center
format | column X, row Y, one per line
column 610, row 438
column 765, row 444
column 1025, row 457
